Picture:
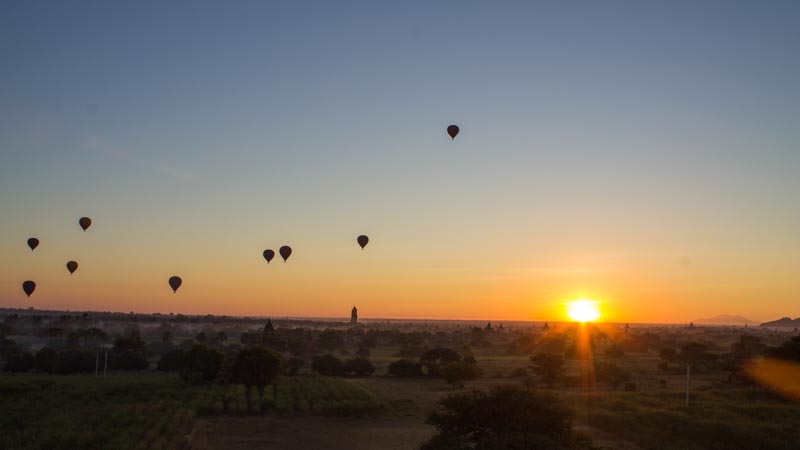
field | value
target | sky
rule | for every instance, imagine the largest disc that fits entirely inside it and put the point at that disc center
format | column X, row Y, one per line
column 641, row 154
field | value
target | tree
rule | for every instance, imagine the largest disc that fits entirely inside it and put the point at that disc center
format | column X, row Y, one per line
column 506, row 416
column 166, row 337
column 19, row 362
column 330, row 340
column 221, row 337
column 789, row 350
column 548, row 367
column 405, row 368
column 328, row 365
column 693, row 354
column 46, row 359
column 359, row 367
column 436, row 359
column 668, row 354
column 611, row 374
column 202, row 364
column 257, row 367
column 127, row 360
column 456, row 373
column 295, row 364
column 172, row 361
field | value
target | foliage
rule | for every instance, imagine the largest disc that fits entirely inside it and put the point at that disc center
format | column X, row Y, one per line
column 257, row 367
column 295, row 364
column 172, row 361
column 504, row 414
column 327, row 365
column 456, row 373
column 405, row 368
column 548, row 367
column 611, row 374
column 359, row 367
column 201, row 364
column 789, row 350
column 19, row 362
column 436, row 359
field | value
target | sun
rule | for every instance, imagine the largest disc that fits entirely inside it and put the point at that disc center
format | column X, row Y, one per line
column 583, row 310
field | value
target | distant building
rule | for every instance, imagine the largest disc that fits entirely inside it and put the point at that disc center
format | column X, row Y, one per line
column 354, row 315
column 268, row 328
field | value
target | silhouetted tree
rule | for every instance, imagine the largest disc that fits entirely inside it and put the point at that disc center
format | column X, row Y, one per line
column 327, row 365
column 456, row 373
column 19, row 362
column 505, row 417
column 172, row 361
column 789, row 350
column 359, row 366
column 295, row 364
column 611, row 374
column 405, row 368
column 548, row 367
column 436, row 359
column 257, row 367
column 202, row 364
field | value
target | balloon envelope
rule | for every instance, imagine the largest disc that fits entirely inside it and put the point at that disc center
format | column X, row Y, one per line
column 72, row 266
column 33, row 243
column 452, row 130
column 362, row 241
column 28, row 287
column 175, row 283
column 268, row 255
column 286, row 252
column 85, row 222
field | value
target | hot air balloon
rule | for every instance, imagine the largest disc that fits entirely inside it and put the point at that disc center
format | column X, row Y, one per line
column 72, row 266
column 175, row 283
column 268, row 255
column 362, row 241
column 452, row 130
column 33, row 243
column 286, row 252
column 28, row 287
column 85, row 222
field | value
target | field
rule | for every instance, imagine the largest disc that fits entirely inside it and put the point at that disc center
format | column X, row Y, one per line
column 150, row 409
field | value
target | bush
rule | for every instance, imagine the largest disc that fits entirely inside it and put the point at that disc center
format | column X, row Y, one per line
column 548, row 367
column 172, row 361
column 611, row 374
column 456, row 373
column 328, row 365
column 19, row 362
column 359, row 367
column 295, row 364
column 201, row 364
column 405, row 368
column 127, row 360
column 436, row 359
column 495, row 419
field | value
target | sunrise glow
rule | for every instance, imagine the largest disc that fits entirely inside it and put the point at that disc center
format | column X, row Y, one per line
column 583, row 310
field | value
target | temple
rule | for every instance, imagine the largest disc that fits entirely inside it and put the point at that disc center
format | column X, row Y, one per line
column 354, row 315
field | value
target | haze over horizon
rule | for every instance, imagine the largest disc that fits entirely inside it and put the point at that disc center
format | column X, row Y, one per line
column 645, row 156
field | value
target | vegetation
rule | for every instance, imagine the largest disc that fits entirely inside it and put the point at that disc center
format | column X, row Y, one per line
column 505, row 417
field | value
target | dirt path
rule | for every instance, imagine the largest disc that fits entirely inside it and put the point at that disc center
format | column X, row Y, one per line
column 310, row 433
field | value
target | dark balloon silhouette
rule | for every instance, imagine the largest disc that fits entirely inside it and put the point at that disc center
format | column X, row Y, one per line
column 28, row 287
column 268, row 255
column 72, row 266
column 452, row 130
column 85, row 222
column 362, row 241
column 175, row 283
column 286, row 252
column 33, row 243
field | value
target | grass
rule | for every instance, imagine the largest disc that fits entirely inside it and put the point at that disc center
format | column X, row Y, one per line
column 148, row 410
column 718, row 418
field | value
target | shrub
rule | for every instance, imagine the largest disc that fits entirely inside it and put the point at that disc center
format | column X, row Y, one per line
column 495, row 419
column 19, row 362
column 327, row 365
column 405, row 368
column 456, row 373
column 359, row 367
